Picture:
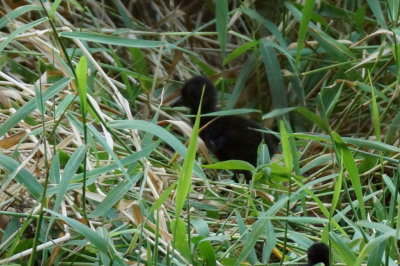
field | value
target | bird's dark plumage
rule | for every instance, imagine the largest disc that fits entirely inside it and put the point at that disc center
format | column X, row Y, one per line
column 318, row 253
column 228, row 137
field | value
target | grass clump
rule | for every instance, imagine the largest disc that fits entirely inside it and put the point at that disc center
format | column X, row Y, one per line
column 92, row 157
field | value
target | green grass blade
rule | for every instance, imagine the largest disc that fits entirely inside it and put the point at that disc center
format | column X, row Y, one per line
column 153, row 129
column 242, row 79
column 257, row 229
column 221, row 10
column 286, row 148
column 352, row 170
column 81, row 73
column 240, row 51
column 95, row 239
column 207, row 252
column 337, row 188
column 393, row 6
column 181, row 243
column 115, row 195
column 70, row 169
column 184, row 181
column 25, row 110
column 112, row 40
column 271, row 27
column 375, row 6
column 303, row 111
column 23, row 176
column 130, row 159
column 159, row 132
column 163, row 197
column 305, row 19
column 231, row 165
column 54, row 7
column 15, row 13
column 393, row 128
column 274, row 75
column 375, row 113
column 20, row 30
column 343, row 250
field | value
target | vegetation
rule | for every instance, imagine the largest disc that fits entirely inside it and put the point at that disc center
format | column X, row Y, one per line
column 96, row 168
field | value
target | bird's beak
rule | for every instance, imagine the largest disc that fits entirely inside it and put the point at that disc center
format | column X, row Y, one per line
column 177, row 103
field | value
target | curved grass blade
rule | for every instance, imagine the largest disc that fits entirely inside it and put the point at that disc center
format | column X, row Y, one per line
column 25, row 110
column 101, row 244
column 22, row 176
column 114, row 196
column 112, row 40
column 13, row 14
column 20, row 30
column 159, row 132
column 231, row 165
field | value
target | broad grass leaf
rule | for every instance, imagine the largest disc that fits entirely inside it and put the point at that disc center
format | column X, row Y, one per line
column 179, row 228
column 207, row 252
column 231, row 165
column 81, row 73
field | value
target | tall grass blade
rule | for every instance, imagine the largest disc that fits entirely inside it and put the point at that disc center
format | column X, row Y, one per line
column 305, row 19
column 221, row 10
column 352, row 170
column 274, row 75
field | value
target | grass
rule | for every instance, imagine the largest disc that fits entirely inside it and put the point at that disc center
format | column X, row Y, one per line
column 95, row 168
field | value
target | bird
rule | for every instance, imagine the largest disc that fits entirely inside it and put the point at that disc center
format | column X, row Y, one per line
column 318, row 253
column 230, row 137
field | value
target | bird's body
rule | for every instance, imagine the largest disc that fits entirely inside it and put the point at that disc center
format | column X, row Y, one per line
column 227, row 137
column 234, row 138
column 318, row 253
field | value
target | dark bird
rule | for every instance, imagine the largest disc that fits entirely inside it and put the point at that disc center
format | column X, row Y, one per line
column 318, row 253
column 227, row 137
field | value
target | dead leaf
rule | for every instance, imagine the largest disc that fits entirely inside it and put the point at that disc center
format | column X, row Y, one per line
column 12, row 140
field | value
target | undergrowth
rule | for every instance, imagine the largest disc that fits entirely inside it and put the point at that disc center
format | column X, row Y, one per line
column 97, row 168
